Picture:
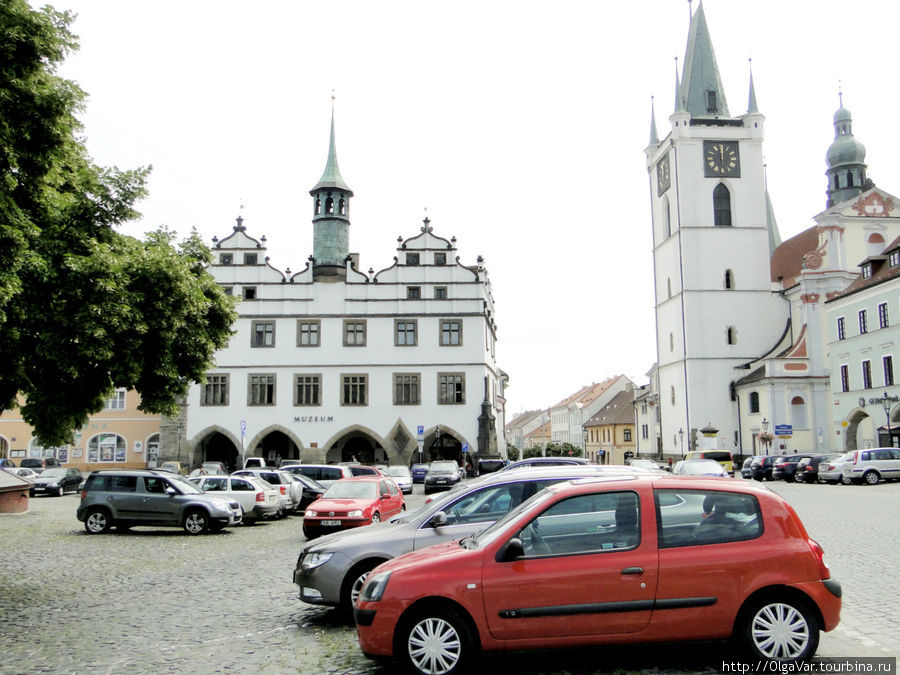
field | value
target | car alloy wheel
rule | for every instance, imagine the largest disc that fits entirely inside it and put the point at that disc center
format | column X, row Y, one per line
column 359, row 574
column 781, row 631
column 196, row 522
column 60, row 491
column 376, row 517
column 438, row 643
column 870, row 478
column 97, row 521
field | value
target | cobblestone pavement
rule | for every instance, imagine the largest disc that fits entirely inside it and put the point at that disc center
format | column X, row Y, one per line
column 159, row 601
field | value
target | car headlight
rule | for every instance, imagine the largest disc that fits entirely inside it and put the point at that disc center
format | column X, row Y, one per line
column 355, row 514
column 310, row 514
column 374, row 588
column 313, row 560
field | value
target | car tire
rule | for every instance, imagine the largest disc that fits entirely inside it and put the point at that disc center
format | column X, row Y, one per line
column 196, row 521
column 97, row 521
column 846, row 480
column 436, row 641
column 871, row 477
column 354, row 581
column 60, row 491
column 779, row 630
column 376, row 517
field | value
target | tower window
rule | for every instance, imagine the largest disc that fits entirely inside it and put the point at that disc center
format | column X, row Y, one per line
column 721, row 206
column 318, row 206
column 729, row 280
column 329, row 205
column 711, row 106
column 730, row 335
column 342, row 207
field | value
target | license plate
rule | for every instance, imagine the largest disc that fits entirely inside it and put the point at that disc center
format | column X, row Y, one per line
column 441, row 480
column 329, row 523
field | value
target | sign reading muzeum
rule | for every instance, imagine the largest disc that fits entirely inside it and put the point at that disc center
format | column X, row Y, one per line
column 334, row 364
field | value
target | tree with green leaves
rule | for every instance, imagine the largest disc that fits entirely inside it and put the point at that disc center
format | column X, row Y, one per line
column 84, row 308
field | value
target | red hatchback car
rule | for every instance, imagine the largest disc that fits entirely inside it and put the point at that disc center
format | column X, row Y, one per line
column 353, row 502
column 609, row 560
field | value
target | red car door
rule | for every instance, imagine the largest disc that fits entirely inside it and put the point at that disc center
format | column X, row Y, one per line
column 394, row 503
column 590, row 567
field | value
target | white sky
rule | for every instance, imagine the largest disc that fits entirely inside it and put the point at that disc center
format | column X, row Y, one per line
column 520, row 126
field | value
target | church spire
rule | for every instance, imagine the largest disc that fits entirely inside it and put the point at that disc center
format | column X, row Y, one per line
column 679, row 99
column 751, row 101
column 654, row 137
column 701, row 85
column 331, row 177
column 846, row 159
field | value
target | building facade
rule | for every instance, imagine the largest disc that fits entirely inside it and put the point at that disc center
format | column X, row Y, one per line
column 334, row 364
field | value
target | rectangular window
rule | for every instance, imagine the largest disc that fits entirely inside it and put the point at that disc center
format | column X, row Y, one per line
column 353, row 389
column 867, row 374
column 894, row 258
column 645, row 431
column 842, row 331
column 262, row 390
column 627, row 435
column 691, row 517
column 863, row 322
column 451, row 332
column 250, row 259
column 451, row 388
column 867, row 271
column 404, row 333
column 116, row 401
column 215, row 391
column 308, row 333
column 226, row 259
column 413, row 292
column 845, row 378
column 412, row 258
column 711, row 101
column 249, row 292
column 354, row 333
column 406, row 389
column 440, row 258
column 308, row 390
column 229, row 290
column 440, row 292
column 262, row 334
column 883, row 315
column 887, row 364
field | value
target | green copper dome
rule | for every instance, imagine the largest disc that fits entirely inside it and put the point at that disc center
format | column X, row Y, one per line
column 845, row 149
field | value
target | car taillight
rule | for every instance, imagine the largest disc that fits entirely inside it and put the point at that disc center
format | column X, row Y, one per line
column 83, row 495
column 819, row 552
column 283, row 489
column 260, row 496
column 855, row 457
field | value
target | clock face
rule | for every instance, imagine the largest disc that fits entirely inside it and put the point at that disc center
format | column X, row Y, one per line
column 721, row 158
column 663, row 179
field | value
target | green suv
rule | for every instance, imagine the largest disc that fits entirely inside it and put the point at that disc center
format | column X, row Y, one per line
column 125, row 498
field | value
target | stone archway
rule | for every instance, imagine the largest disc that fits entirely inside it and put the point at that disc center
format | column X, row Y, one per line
column 216, row 444
column 860, row 430
column 274, row 445
column 356, row 444
column 442, row 442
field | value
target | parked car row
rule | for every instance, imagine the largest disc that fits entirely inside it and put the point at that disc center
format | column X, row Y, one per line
column 868, row 466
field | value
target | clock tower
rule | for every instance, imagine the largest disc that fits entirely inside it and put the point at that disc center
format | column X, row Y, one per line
column 712, row 241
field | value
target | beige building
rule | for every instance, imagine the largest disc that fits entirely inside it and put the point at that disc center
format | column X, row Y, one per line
column 119, row 436
column 611, row 431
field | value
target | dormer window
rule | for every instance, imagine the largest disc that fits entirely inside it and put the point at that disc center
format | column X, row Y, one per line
column 412, row 258
column 226, row 259
column 867, row 271
column 440, row 258
column 711, row 106
column 894, row 258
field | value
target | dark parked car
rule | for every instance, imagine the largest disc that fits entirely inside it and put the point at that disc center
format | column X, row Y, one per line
column 746, row 468
column 761, row 467
column 56, row 481
column 808, row 468
column 7, row 464
column 38, row 464
column 442, row 475
column 784, row 467
column 418, row 471
column 311, row 489
column 489, row 465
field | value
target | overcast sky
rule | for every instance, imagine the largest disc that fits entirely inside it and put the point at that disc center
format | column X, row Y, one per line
column 519, row 125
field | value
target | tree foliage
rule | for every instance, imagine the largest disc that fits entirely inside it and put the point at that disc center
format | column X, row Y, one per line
column 84, row 308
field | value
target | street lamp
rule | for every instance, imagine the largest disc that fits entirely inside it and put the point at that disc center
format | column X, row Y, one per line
column 681, row 435
column 886, row 403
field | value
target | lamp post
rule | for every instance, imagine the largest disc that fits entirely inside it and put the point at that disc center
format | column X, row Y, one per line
column 681, row 436
column 584, row 436
column 886, row 402
column 765, row 426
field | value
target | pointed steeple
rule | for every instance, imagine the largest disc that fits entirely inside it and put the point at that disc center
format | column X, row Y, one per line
column 654, row 138
column 331, row 177
column 679, row 99
column 751, row 101
column 701, row 85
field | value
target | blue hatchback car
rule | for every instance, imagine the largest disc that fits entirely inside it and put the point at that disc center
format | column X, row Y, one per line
column 418, row 472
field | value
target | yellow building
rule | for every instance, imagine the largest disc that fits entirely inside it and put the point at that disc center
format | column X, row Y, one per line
column 119, row 436
column 611, row 431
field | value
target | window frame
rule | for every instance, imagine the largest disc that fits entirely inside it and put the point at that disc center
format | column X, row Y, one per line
column 866, row 367
column 887, row 369
column 413, row 292
column 397, row 333
column 845, row 377
column 318, row 332
column 450, row 333
column 362, row 384
column 458, row 392
column 440, row 258
column 409, row 392
column 364, row 333
column 117, row 401
column 883, row 319
column 210, row 387
column 841, row 328
column 270, row 388
column 315, row 386
column 863, row 322
column 255, row 333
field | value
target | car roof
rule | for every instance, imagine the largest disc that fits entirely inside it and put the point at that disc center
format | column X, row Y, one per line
column 358, row 479
column 666, row 481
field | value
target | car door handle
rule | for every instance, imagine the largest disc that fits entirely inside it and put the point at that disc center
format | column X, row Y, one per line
column 633, row 570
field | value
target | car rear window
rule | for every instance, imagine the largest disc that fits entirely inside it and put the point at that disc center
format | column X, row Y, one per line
column 717, row 456
column 698, row 517
column 112, row 483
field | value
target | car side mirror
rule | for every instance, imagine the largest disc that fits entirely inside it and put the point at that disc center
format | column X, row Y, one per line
column 439, row 519
column 171, row 491
column 511, row 550
column 385, row 495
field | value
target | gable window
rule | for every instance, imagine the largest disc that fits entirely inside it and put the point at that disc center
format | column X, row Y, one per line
column 842, row 332
column 754, row 401
column 250, row 259
column 406, row 389
column 845, row 378
column 863, row 322
column 440, row 258
column 404, row 333
column 451, row 332
column 262, row 334
column 729, row 280
column 249, row 292
column 451, row 388
column 721, row 206
column 353, row 389
column 116, row 401
column 440, row 292
column 413, row 292
column 412, row 258
column 308, row 390
column 883, row 315
column 262, row 390
column 730, row 335
column 867, row 374
column 354, row 333
column 887, row 363
column 226, row 259
column 308, row 333
column 215, row 391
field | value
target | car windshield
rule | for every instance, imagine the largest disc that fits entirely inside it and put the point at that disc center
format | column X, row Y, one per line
column 398, row 471
column 351, row 490
column 54, row 473
column 31, row 462
column 491, row 532
column 186, row 486
column 444, row 466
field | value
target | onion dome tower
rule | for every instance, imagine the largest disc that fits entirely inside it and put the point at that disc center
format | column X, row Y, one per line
column 846, row 161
